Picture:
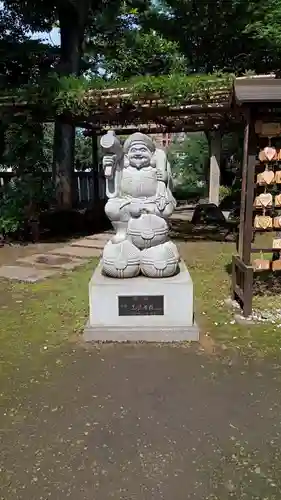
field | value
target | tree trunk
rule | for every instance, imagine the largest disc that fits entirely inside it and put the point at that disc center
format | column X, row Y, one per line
column 63, row 163
column 3, row 129
column 72, row 24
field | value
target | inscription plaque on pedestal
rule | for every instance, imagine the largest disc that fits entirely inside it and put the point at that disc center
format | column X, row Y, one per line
column 141, row 305
column 141, row 309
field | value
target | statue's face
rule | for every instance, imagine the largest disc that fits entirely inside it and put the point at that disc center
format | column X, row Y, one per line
column 139, row 155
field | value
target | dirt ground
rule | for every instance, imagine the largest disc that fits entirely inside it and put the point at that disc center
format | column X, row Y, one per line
column 143, row 422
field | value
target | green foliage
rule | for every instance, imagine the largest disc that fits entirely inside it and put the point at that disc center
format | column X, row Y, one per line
column 264, row 24
column 22, row 200
column 24, row 146
column 30, row 190
column 148, row 49
column 23, row 63
column 37, row 15
column 80, row 96
column 220, row 34
column 225, row 191
column 139, row 53
column 22, row 60
column 11, row 210
column 188, row 161
column 83, row 151
column 111, row 34
column 90, row 29
column 83, row 148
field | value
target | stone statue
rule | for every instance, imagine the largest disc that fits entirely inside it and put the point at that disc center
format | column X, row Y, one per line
column 140, row 200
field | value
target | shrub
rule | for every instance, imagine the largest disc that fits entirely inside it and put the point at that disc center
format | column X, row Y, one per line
column 21, row 201
column 224, row 192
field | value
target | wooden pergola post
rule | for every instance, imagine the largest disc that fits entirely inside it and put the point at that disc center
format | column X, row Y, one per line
column 242, row 270
column 214, row 139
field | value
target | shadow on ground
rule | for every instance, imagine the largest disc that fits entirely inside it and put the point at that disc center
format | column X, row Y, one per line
column 265, row 282
column 204, row 222
column 182, row 230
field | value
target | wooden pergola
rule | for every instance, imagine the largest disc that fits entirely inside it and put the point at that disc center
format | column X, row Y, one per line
column 215, row 111
column 215, row 114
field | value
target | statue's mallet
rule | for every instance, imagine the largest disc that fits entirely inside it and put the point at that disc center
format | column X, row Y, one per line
column 111, row 146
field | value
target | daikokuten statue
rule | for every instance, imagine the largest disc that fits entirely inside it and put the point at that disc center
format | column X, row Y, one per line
column 140, row 200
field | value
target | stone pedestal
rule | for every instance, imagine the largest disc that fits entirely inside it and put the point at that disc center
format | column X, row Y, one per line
column 141, row 309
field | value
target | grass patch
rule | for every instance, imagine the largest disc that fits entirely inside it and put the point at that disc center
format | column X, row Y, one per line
column 36, row 318
column 209, row 264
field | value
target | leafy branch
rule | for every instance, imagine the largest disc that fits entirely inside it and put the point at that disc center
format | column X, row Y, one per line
column 81, row 96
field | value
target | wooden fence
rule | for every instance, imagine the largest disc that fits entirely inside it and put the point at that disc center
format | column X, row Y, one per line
column 85, row 190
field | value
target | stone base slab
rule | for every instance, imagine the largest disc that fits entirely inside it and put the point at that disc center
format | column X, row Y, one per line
column 174, row 324
column 141, row 334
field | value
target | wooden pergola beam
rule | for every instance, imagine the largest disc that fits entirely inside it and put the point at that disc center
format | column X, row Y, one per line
column 163, row 126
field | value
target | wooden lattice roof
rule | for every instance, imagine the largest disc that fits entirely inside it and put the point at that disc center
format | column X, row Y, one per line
column 120, row 108
column 175, row 100
column 208, row 103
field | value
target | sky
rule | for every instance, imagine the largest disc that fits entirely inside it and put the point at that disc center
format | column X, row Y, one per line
column 52, row 38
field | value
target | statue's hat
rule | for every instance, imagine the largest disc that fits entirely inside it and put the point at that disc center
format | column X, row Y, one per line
column 138, row 137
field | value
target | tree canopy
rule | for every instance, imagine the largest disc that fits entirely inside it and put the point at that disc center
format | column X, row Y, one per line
column 22, row 60
column 264, row 22
column 227, row 35
column 120, row 39
column 157, row 42
column 124, row 39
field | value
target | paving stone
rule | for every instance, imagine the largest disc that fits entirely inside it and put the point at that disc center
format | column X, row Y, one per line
column 100, row 236
column 89, row 243
column 80, row 252
column 49, row 260
column 28, row 274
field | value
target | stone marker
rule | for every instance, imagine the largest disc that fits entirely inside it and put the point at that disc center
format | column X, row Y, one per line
column 27, row 274
column 156, row 303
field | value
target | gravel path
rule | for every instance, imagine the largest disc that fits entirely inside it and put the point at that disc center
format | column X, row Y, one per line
column 143, row 423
